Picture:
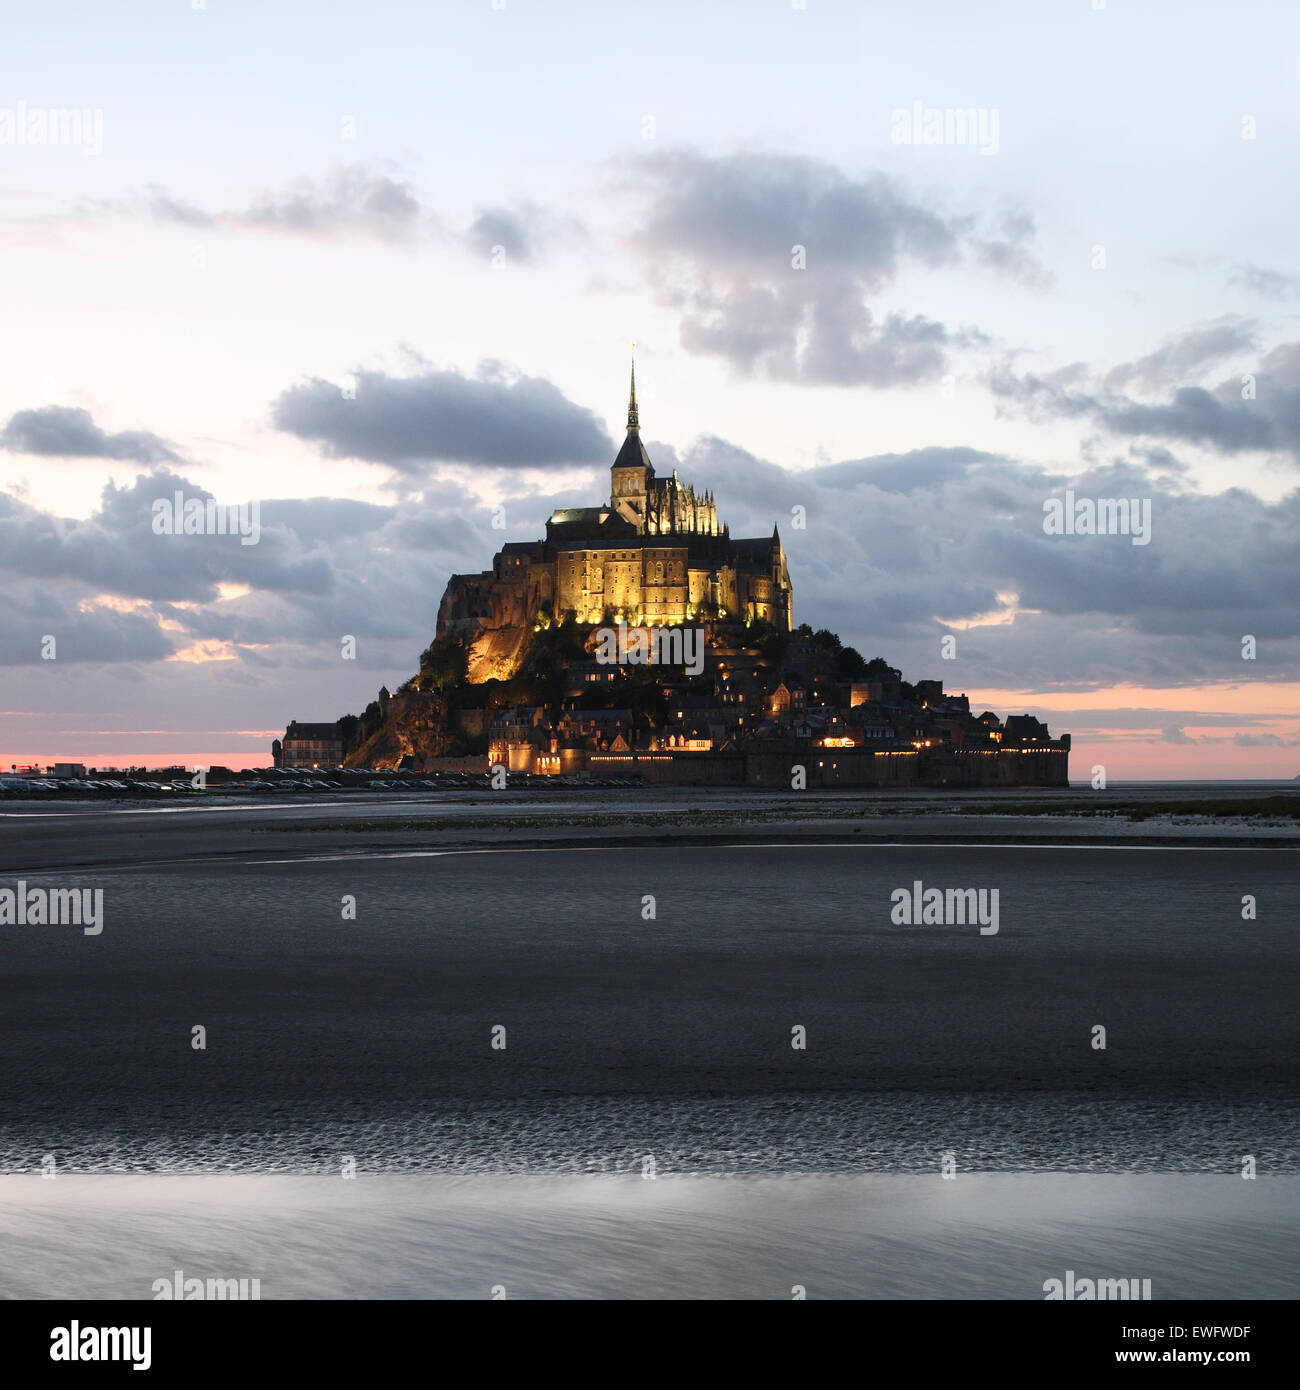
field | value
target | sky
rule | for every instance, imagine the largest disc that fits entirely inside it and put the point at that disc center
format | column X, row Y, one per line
column 898, row 277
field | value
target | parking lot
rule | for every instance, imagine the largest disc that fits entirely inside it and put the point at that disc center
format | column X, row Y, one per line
column 279, row 781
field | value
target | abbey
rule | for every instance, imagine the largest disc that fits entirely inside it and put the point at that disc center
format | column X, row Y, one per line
column 655, row 554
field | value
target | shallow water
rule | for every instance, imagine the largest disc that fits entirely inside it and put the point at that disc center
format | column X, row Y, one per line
column 630, row 1237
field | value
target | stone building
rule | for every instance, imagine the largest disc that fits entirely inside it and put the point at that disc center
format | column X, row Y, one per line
column 311, row 745
column 655, row 554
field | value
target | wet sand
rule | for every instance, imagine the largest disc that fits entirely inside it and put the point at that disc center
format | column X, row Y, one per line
column 334, row 1038
column 319, row 1026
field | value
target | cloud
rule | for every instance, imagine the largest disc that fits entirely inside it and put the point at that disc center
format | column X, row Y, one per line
column 164, row 208
column 350, row 199
column 525, row 232
column 116, row 551
column 1187, row 354
column 31, row 614
column 1224, row 417
column 1129, row 719
column 359, row 201
column 324, row 519
column 1268, row 284
column 899, row 549
column 511, row 229
column 917, row 471
column 60, row 431
column 110, row 590
column 493, row 420
column 719, row 237
column 1007, row 252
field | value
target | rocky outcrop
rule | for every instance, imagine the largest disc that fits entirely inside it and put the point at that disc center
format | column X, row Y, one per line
column 412, row 728
column 494, row 614
column 496, row 652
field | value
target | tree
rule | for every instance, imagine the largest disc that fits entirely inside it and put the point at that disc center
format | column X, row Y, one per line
column 445, row 663
column 849, row 665
column 774, row 646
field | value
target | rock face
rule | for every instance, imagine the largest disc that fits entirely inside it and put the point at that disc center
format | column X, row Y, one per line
column 412, row 727
column 494, row 612
column 495, row 654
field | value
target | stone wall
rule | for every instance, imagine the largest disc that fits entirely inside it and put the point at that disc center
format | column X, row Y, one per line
column 839, row 767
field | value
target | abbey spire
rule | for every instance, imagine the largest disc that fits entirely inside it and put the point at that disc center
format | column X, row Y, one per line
column 633, row 423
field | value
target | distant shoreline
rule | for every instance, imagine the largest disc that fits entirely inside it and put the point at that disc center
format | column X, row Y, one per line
column 69, row 834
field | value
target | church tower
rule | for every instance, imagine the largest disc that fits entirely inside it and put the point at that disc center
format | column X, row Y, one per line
column 632, row 476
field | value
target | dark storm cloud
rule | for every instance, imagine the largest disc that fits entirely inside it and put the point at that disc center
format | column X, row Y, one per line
column 61, row 431
column 719, row 237
column 493, row 420
column 1224, row 417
